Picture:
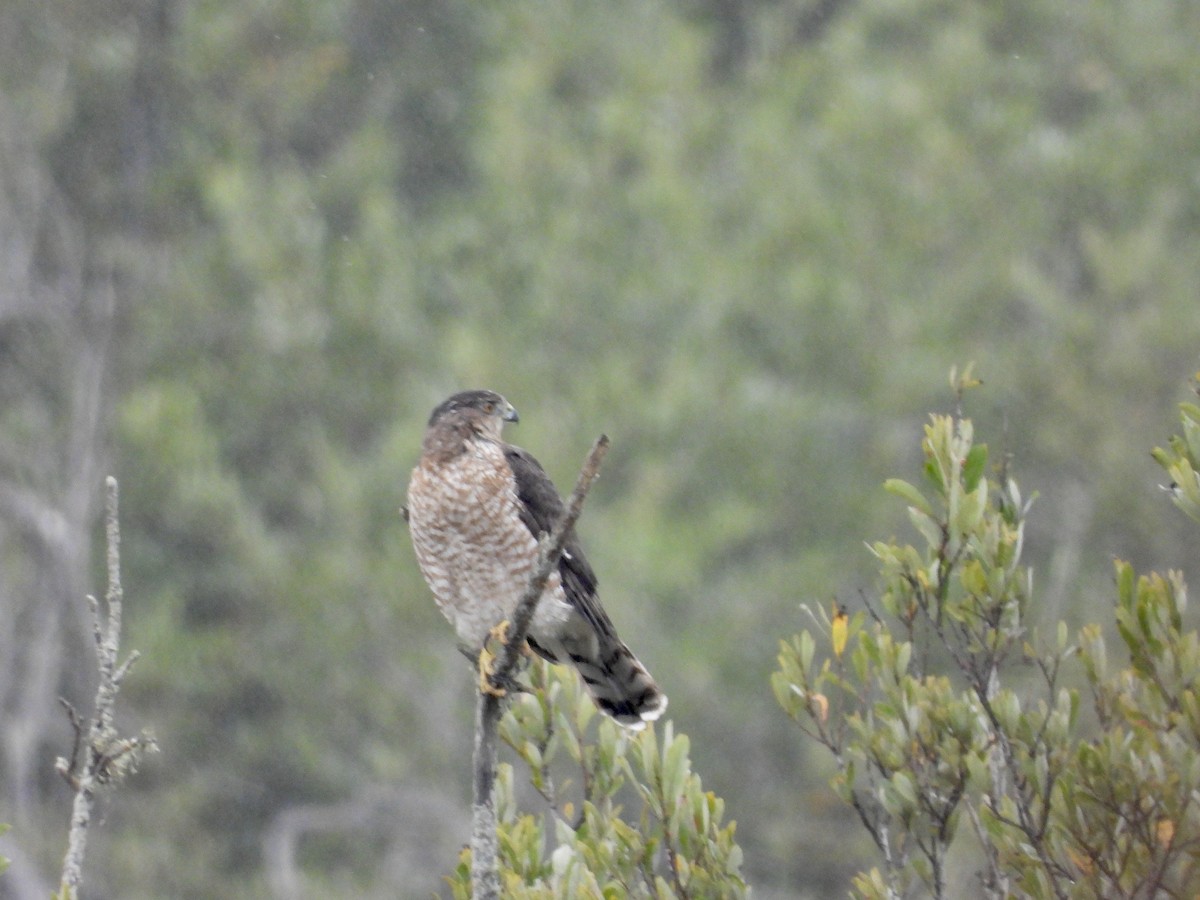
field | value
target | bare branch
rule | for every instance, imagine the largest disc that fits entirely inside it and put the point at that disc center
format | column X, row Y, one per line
column 102, row 757
column 123, row 669
column 485, row 876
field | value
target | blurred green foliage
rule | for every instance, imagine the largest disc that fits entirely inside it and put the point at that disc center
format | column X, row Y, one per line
column 742, row 239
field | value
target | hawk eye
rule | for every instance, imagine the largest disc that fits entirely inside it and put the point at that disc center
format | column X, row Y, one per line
column 489, row 407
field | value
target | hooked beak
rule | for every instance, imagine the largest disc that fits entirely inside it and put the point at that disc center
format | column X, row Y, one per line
column 510, row 414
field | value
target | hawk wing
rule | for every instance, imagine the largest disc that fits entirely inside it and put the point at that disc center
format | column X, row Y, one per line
column 540, row 509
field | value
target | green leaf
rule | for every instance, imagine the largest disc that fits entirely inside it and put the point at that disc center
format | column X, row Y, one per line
column 1125, row 582
column 973, row 578
column 675, row 768
column 974, row 465
column 934, row 474
column 903, row 785
column 807, row 649
column 929, row 529
column 970, row 509
column 908, row 492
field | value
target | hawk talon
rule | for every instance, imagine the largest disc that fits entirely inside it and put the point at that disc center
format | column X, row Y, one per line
column 487, row 685
column 487, row 662
column 499, row 633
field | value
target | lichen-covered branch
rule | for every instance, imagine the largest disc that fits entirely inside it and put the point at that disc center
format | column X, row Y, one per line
column 485, row 876
column 100, row 756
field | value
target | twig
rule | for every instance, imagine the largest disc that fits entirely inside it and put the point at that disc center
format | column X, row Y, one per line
column 99, row 756
column 68, row 767
column 485, row 876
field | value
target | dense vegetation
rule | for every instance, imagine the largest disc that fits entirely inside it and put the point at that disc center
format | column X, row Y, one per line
column 246, row 248
column 1068, row 769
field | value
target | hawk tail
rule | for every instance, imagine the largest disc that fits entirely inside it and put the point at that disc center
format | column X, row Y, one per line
column 615, row 678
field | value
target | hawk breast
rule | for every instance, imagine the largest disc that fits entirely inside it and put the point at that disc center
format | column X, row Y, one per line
column 473, row 549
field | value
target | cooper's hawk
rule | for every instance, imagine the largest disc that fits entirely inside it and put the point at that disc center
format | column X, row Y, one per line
column 476, row 508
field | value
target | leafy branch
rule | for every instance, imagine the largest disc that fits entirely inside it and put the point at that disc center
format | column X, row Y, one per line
column 1181, row 458
column 916, row 703
column 627, row 816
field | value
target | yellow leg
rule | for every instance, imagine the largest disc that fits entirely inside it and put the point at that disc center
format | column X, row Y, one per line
column 487, row 660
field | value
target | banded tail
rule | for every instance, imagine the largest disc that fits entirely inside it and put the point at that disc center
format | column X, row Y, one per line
column 618, row 683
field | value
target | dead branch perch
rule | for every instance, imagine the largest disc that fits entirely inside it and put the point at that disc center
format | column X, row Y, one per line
column 485, row 876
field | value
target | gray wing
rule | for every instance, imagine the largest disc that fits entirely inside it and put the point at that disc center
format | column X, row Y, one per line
column 541, row 508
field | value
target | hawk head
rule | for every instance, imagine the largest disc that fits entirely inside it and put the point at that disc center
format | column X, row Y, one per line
column 484, row 412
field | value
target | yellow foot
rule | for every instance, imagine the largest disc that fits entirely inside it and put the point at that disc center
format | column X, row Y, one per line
column 499, row 633
column 487, row 661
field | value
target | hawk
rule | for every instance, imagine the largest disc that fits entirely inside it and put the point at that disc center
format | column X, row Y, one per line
column 476, row 509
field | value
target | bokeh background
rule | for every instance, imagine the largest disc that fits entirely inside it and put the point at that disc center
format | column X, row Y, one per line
column 245, row 247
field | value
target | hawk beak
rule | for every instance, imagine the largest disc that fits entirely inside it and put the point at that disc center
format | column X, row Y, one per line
column 510, row 414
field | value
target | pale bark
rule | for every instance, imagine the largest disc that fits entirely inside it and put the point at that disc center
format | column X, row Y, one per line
column 100, row 756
